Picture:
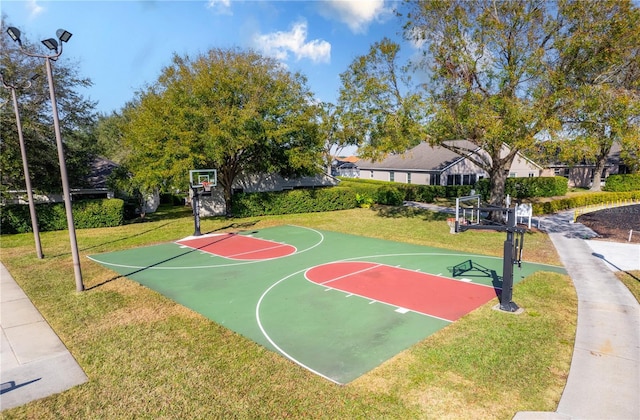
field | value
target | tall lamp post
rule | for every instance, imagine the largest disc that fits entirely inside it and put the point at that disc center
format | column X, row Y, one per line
column 23, row 152
column 56, row 47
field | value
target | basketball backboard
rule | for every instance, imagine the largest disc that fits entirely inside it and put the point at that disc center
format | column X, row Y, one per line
column 203, row 178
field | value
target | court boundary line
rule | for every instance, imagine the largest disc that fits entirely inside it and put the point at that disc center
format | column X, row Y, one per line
column 233, row 256
column 394, row 266
column 347, row 294
column 200, row 267
column 264, row 332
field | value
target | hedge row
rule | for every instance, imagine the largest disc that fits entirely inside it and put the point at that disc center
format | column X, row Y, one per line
column 15, row 218
column 293, row 201
column 379, row 190
column 622, row 183
column 583, row 200
column 522, row 188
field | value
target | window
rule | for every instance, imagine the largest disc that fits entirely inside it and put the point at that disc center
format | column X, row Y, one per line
column 513, row 174
column 454, row 179
column 469, row 179
column 392, row 176
column 531, row 174
column 408, row 177
column 371, row 174
column 434, row 179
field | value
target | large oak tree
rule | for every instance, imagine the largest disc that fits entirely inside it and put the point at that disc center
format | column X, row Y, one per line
column 598, row 79
column 233, row 110
column 488, row 61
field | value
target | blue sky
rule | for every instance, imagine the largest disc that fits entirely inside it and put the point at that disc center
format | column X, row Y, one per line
column 122, row 45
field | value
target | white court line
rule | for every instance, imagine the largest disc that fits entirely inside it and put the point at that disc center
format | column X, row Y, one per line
column 200, row 267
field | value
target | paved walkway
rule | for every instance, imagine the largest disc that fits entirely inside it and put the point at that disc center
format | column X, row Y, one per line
column 603, row 382
column 604, row 379
column 34, row 362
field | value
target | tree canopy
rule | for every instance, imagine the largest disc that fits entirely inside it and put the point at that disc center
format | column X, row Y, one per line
column 506, row 76
column 232, row 110
column 488, row 63
column 379, row 101
column 76, row 119
column 598, row 79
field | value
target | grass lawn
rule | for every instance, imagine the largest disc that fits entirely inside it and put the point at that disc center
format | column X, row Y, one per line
column 148, row 357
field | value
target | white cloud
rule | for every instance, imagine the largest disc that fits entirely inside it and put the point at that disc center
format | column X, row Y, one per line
column 221, row 7
column 357, row 14
column 34, row 8
column 280, row 44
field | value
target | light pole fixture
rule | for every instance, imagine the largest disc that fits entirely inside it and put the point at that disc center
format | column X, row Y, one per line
column 23, row 152
column 52, row 44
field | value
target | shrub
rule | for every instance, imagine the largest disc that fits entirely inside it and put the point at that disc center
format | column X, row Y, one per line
column 621, row 183
column 293, row 201
column 15, row 218
column 532, row 187
column 390, row 196
column 583, row 200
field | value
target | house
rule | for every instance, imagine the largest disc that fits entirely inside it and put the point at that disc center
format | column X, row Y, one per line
column 95, row 186
column 581, row 175
column 346, row 167
column 214, row 205
column 436, row 165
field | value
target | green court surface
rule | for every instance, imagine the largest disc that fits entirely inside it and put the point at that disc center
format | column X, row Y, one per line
column 336, row 304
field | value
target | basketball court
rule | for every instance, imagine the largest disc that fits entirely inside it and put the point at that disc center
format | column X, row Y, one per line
column 336, row 304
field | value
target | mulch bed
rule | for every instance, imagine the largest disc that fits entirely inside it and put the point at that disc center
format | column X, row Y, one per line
column 614, row 224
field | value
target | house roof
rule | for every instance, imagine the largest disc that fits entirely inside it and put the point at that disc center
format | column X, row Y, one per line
column 351, row 159
column 100, row 169
column 423, row 157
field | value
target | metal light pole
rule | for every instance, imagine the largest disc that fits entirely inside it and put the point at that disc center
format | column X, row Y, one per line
column 53, row 45
column 23, row 152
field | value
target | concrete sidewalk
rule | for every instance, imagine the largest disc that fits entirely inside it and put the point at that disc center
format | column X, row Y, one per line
column 604, row 379
column 34, row 362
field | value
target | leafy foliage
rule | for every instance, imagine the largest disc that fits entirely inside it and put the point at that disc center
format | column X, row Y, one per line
column 554, row 206
column 488, row 63
column 76, row 118
column 599, row 80
column 526, row 188
column 379, row 102
column 235, row 111
column 620, row 183
column 86, row 214
column 294, row 201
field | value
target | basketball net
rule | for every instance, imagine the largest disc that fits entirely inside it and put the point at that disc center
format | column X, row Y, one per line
column 206, row 186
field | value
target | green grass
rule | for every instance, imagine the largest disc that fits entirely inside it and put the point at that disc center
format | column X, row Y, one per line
column 148, row 357
column 631, row 279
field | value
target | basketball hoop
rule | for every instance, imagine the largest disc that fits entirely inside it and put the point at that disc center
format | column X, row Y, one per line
column 206, row 186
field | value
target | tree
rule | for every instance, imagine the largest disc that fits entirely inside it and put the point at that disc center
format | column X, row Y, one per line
column 599, row 79
column 379, row 102
column 333, row 132
column 488, row 63
column 235, row 111
column 76, row 120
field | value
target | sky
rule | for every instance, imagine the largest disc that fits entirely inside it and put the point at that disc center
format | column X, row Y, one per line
column 122, row 46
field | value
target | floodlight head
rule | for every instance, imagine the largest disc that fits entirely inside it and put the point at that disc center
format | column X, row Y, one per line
column 63, row 35
column 14, row 33
column 51, row 43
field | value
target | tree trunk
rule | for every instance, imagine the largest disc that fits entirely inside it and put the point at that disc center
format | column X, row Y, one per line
column 597, row 171
column 226, row 182
column 497, row 183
